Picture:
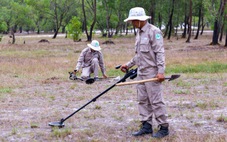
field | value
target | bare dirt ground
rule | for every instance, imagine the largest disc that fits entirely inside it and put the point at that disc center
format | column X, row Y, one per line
column 35, row 90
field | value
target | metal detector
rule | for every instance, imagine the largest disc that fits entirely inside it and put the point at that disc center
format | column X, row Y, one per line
column 132, row 74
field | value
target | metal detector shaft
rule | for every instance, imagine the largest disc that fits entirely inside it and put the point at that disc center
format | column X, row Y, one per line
column 128, row 74
column 93, row 100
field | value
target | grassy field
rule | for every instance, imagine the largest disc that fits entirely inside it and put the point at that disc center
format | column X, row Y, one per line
column 35, row 90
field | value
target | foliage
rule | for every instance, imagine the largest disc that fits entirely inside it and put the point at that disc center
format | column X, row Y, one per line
column 53, row 15
column 74, row 29
column 3, row 27
column 41, row 17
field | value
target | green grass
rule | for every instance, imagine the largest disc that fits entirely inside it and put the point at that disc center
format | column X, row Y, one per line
column 5, row 90
column 206, row 105
column 25, row 54
column 225, row 84
column 116, row 72
column 185, row 92
column 213, row 67
column 222, row 118
column 14, row 131
column 34, row 125
column 61, row 133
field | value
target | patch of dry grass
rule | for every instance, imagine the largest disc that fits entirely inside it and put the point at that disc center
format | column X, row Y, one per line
column 35, row 90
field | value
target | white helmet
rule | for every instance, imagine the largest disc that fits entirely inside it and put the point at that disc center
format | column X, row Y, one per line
column 137, row 13
column 94, row 45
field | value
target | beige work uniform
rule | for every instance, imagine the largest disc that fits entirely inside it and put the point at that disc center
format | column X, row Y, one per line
column 90, row 61
column 150, row 60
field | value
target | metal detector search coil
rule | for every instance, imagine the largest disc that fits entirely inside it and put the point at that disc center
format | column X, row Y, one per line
column 56, row 124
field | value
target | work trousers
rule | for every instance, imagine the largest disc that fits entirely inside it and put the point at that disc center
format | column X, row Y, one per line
column 150, row 101
column 86, row 71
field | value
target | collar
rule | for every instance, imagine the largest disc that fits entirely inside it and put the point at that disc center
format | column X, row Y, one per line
column 89, row 50
column 144, row 28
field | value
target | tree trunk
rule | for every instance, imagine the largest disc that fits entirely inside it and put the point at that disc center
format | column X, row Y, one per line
column 185, row 26
column 20, row 29
column 190, row 22
column 117, row 28
column 85, row 20
column 203, row 25
column 177, row 19
column 38, row 30
column 126, row 26
column 89, row 36
column 166, row 31
column 171, row 21
column 198, row 29
column 152, row 12
column 217, row 23
column 118, row 24
column 63, row 29
column 160, row 20
column 226, row 38
column 94, row 20
column 134, row 29
column 108, row 16
column 222, row 30
column 55, row 33
column 215, row 33
column 13, row 36
column 223, row 24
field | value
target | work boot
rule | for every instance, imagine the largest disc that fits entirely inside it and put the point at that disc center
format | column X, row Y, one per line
column 96, row 78
column 146, row 129
column 162, row 132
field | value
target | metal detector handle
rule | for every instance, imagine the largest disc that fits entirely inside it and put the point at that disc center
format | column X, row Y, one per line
column 133, row 76
column 132, row 73
column 118, row 67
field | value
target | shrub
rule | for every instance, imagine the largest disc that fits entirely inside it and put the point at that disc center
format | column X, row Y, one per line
column 74, row 29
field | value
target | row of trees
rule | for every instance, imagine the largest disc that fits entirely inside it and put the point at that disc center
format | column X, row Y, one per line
column 108, row 16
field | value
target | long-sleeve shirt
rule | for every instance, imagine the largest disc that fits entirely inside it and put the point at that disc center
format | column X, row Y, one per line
column 149, row 51
column 86, row 57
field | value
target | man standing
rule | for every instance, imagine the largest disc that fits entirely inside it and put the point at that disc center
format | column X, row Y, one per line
column 90, row 59
column 150, row 59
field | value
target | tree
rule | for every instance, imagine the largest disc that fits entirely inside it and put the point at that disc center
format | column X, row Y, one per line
column 92, row 7
column 39, row 10
column 217, row 23
column 108, row 6
column 169, row 26
column 190, row 22
column 120, row 10
column 200, row 7
column 225, row 23
column 74, row 29
column 59, row 10
column 3, row 28
column 16, row 14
